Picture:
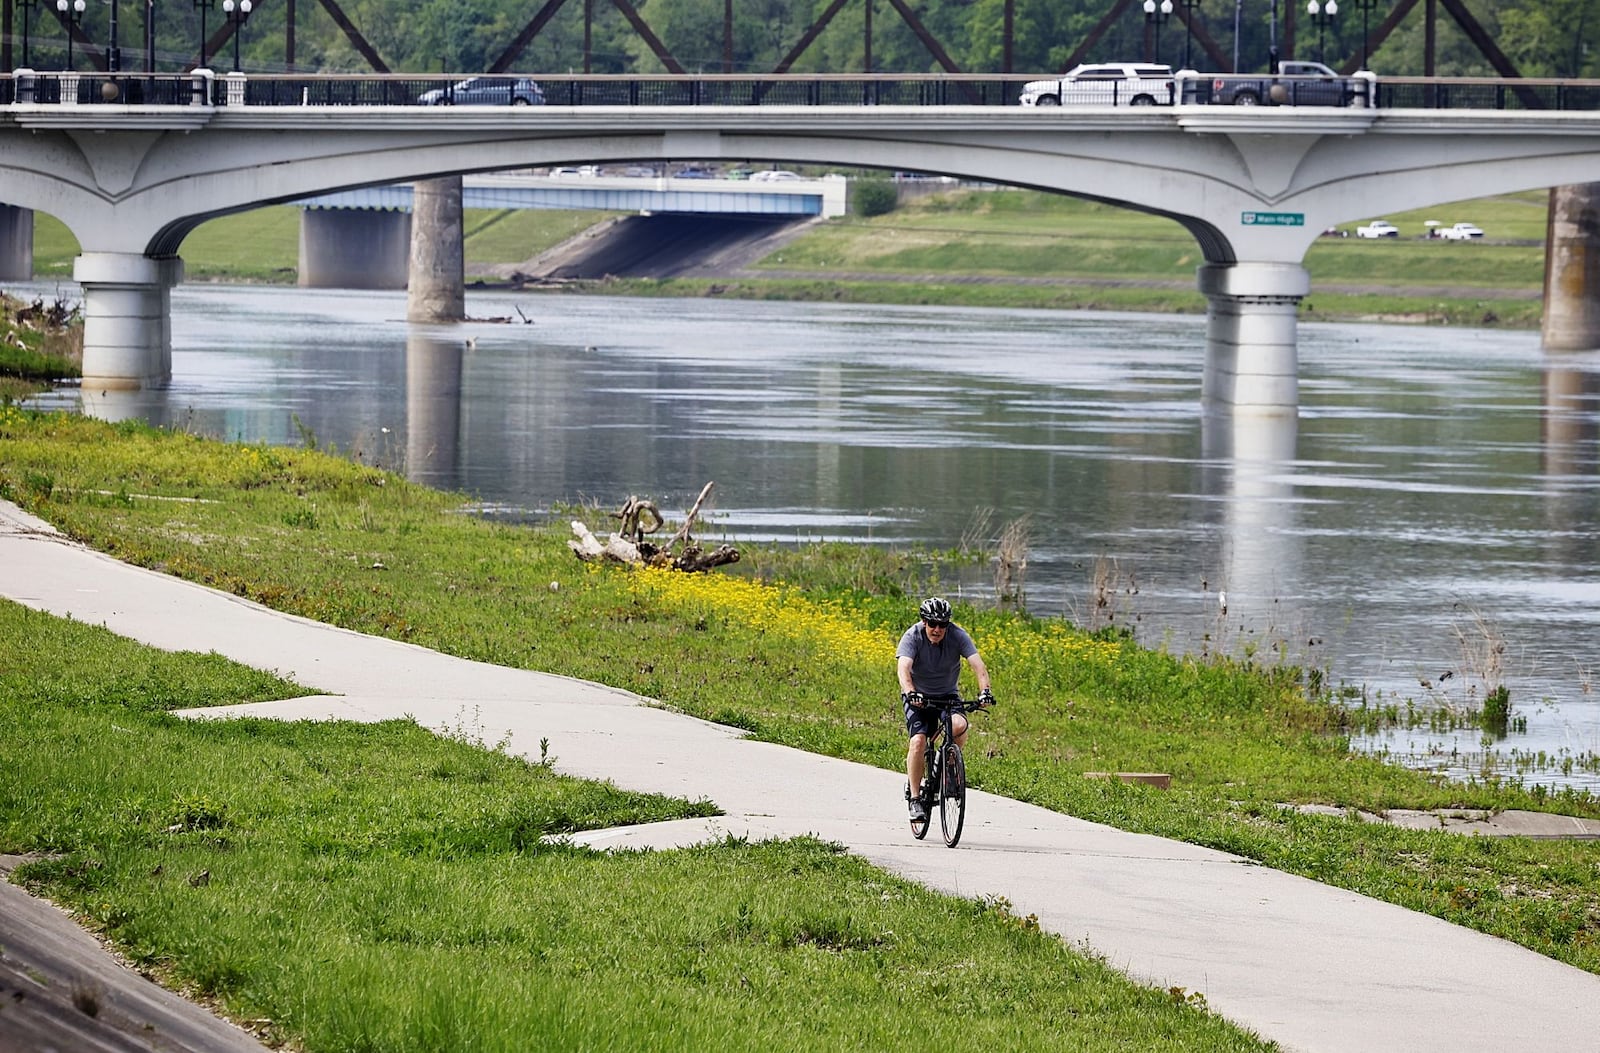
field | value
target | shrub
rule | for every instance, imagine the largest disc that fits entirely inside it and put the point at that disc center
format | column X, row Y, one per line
column 876, row 197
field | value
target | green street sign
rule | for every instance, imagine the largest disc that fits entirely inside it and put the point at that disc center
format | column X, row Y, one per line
column 1273, row 219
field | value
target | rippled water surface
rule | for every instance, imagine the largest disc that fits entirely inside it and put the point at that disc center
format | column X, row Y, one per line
column 1436, row 497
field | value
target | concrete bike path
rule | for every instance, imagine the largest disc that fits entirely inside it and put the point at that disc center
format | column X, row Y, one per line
column 1313, row 967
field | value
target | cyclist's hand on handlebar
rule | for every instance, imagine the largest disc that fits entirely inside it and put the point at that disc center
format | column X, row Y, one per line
column 985, row 698
column 912, row 698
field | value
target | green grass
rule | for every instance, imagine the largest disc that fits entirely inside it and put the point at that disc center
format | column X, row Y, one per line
column 349, row 886
column 1031, row 234
column 40, row 343
column 809, row 666
column 263, row 245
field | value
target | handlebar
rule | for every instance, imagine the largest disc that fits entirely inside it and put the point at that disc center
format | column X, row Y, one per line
column 955, row 705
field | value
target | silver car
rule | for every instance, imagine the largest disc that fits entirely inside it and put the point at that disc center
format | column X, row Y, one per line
column 486, row 91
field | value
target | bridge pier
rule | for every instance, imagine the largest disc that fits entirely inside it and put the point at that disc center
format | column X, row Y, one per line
column 16, row 243
column 438, row 255
column 347, row 248
column 127, row 312
column 1572, row 269
column 1252, row 361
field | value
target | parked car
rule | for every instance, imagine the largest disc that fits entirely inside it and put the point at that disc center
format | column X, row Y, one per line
column 696, row 172
column 774, row 175
column 1378, row 228
column 737, row 173
column 563, row 173
column 1105, row 84
column 1459, row 232
column 486, row 91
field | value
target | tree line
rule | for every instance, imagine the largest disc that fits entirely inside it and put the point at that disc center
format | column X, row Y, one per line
column 1543, row 38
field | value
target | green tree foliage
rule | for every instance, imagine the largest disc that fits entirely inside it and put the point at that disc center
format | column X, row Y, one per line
column 1543, row 38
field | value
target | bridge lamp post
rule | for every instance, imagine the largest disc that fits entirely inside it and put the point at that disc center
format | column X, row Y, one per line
column 27, row 15
column 71, row 11
column 238, row 12
column 1322, row 15
column 113, row 52
column 1188, row 31
column 1156, row 14
column 1367, row 7
column 203, row 6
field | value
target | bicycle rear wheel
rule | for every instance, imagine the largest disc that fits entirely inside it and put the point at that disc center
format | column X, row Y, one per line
column 952, row 794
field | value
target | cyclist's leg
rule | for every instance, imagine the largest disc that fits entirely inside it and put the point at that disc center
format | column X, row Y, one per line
column 921, row 723
column 958, row 724
column 915, row 760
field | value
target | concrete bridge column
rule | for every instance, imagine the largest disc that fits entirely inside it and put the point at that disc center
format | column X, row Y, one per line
column 16, row 243
column 347, row 248
column 1251, row 357
column 127, row 312
column 438, row 254
column 1572, row 269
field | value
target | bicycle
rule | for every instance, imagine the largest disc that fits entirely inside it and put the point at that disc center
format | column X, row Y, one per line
column 944, row 780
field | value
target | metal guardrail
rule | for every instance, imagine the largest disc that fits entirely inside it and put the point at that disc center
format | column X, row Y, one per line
column 1482, row 93
column 210, row 89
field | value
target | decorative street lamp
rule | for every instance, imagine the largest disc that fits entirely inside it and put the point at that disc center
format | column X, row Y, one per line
column 1367, row 7
column 1188, row 30
column 27, row 16
column 1156, row 15
column 204, row 6
column 1322, row 16
column 71, row 12
column 238, row 12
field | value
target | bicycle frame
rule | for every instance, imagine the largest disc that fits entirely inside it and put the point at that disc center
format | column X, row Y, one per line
column 944, row 781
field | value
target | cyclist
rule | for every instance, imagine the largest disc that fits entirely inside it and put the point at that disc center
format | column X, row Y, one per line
column 929, row 660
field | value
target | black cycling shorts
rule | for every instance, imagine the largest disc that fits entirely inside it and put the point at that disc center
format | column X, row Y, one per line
column 923, row 720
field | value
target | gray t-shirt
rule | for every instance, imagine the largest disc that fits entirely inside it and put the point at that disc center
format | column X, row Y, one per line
column 936, row 668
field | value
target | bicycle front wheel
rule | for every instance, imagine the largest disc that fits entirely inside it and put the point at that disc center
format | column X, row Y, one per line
column 952, row 794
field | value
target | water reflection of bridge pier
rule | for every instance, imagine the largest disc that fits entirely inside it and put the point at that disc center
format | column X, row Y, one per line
column 1247, row 465
column 433, row 406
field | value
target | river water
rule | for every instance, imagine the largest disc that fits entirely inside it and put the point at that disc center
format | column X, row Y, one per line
column 1432, row 511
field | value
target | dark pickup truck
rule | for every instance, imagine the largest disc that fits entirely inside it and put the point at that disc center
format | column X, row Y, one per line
column 1296, row 84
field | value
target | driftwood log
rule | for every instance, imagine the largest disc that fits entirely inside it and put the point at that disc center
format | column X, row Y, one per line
column 628, row 545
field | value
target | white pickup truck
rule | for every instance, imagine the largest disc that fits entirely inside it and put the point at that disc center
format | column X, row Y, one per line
column 1459, row 232
column 1378, row 228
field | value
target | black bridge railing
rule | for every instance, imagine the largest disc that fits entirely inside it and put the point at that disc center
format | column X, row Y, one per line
column 135, row 89
column 1482, row 93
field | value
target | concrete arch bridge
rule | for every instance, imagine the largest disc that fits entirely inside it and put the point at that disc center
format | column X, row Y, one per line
column 1254, row 186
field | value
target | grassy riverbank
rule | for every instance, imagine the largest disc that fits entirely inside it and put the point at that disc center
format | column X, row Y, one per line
column 39, row 343
column 804, row 664
column 989, row 248
column 347, row 886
